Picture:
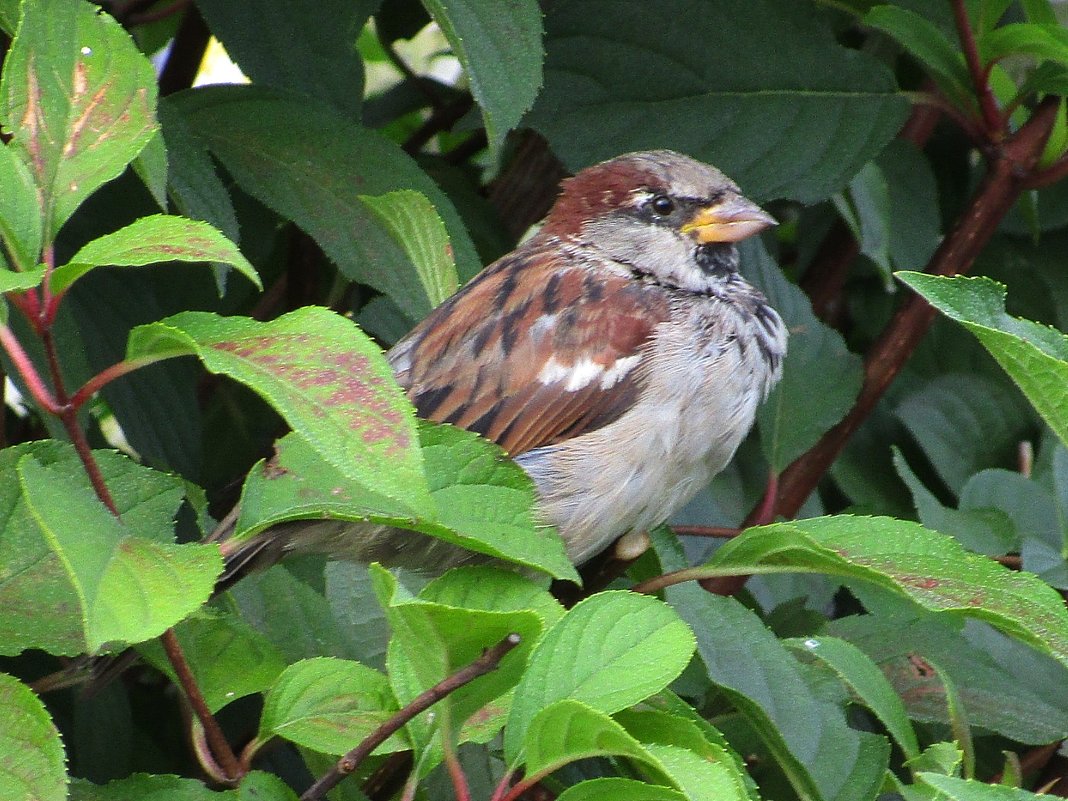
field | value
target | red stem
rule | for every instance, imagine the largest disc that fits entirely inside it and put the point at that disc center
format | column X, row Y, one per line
column 456, row 773
column 220, row 748
column 27, row 372
column 105, row 377
column 992, row 119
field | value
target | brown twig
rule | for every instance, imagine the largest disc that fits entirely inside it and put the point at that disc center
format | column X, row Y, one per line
column 1057, row 171
column 155, row 16
column 187, row 53
column 992, row 119
column 220, row 748
column 487, row 662
column 717, row 532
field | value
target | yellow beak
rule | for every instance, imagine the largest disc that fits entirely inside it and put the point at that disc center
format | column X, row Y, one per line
column 730, row 220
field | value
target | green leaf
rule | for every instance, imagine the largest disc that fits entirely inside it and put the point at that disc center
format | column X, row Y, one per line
column 500, row 48
column 150, row 240
column 954, row 789
column 794, row 417
column 228, row 657
column 121, row 588
column 144, row 787
column 618, row 789
column 610, row 651
column 32, row 762
column 151, row 167
column 865, row 679
column 308, row 46
column 78, row 98
column 329, row 705
column 698, row 778
column 311, row 164
column 1043, row 42
column 481, row 499
column 417, row 228
column 931, row 569
column 323, row 375
column 492, row 588
column 18, row 282
column 808, row 738
column 569, row 730
column 927, row 43
column 714, row 84
column 20, row 217
column 866, row 209
column 915, row 228
column 1035, row 356
column 432, row 641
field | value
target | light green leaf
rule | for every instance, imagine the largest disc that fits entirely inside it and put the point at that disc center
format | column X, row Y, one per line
column 79, row 99
column 323, row 375
column 569, row 730
column 954, row 789
column 228, row 657
column 1035, row 356
column 610, row 651
column 150, row 240
column 145, row 787
column 865, row 679
column 486, row 587
column 500, row 48
column 931, row 569
column 417, row 228
column 618, row 789
column 1043, row 42
column 122, row 588
column 32, row 762
column 712, row 83
column 20, row 216
column 927, row 43
column 19, row 282
column 329, row 705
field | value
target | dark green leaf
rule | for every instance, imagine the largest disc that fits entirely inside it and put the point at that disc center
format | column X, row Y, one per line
column 312, row 165
column 151, row 240
column 32, row 762
column 794, row 417
column 632, row 75
column 500, row 48
column 308, row 46
column 866, row 209
column 79, row 99
column 144, row 787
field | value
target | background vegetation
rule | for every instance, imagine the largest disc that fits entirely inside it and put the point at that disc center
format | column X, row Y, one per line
column 899, row 632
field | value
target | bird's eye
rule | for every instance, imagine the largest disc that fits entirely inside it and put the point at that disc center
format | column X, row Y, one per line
column 662, row 205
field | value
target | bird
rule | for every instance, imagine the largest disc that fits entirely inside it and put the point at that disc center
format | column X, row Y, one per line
column 618, row 356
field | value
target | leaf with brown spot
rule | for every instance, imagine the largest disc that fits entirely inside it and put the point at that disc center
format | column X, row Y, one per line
column 324, row 376
column 929, row 568
column 149, row 240
column 79, row 99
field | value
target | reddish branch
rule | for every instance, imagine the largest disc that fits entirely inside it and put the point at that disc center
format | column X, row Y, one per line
column 1006, row 178
column 993, row 121
column 486, row 663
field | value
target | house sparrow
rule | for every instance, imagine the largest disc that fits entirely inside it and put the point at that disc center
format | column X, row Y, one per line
column 617, row 355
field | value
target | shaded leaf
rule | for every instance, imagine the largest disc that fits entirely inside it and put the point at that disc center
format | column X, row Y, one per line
column 151, row 240
column 794, row 417
column 78, row 98
column 20, row 216
column 715, row 86
column 500, row 48
column 32, row 761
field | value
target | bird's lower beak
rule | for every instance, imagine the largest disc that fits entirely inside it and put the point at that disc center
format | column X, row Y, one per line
column 730, row 220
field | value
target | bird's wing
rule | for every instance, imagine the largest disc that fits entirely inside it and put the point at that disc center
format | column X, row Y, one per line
column 530, row 368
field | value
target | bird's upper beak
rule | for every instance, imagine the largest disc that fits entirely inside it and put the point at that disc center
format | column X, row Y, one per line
column 729, row 220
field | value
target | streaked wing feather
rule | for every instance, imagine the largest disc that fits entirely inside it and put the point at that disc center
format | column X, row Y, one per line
column 528, row 370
